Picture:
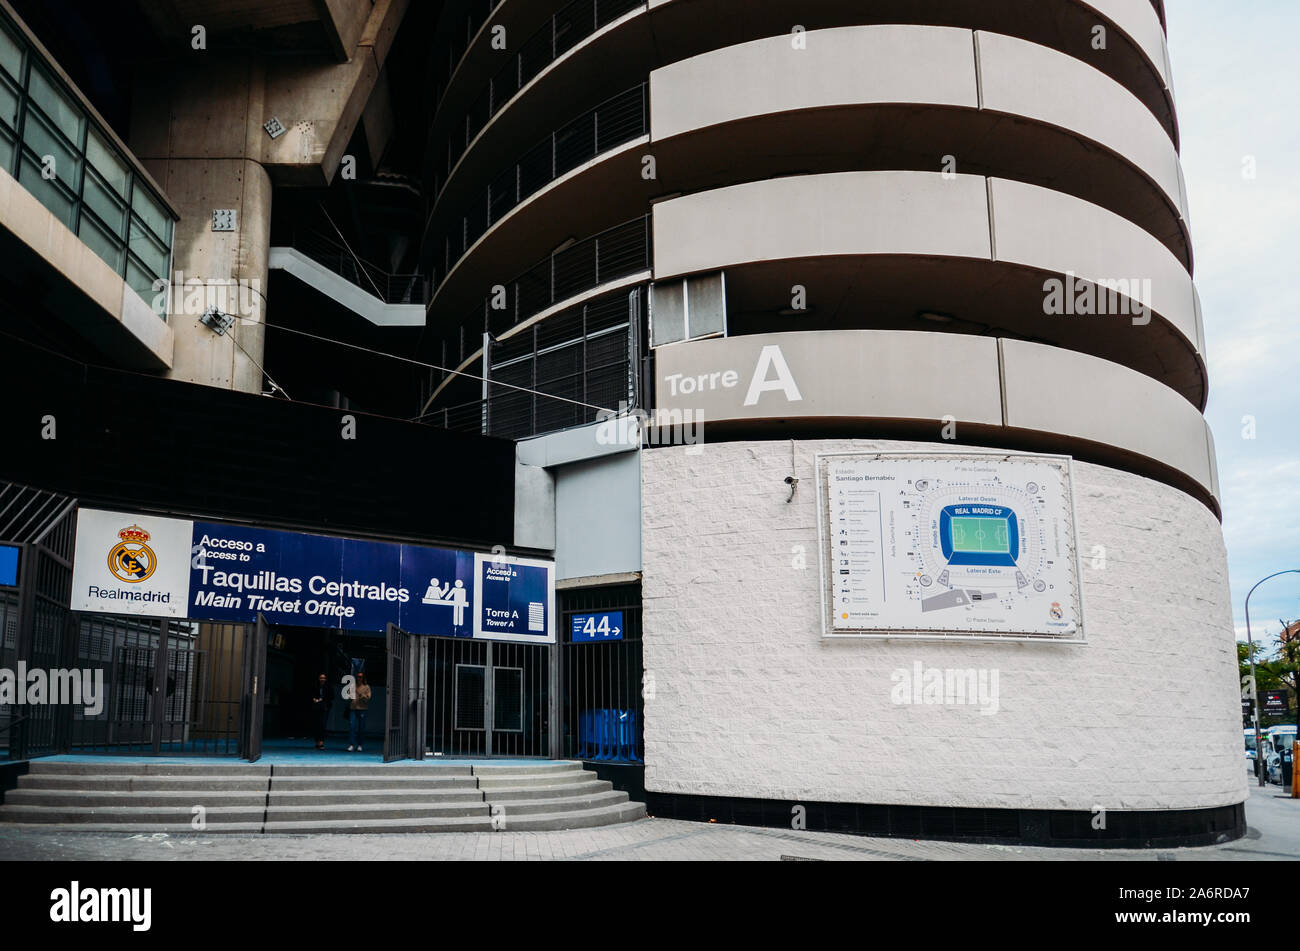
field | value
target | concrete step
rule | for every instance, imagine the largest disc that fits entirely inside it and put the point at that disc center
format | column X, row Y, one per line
column 584, row 819
column 525, row 768
column 605, row 815
column 231, row 782
column 160, row 797
column 396, row 796
column 142, row 783
column 114, row 767
column 550, row 780
column 437, row 770
column 111, row 766
column 351, row 783
column 253, row 808
column 163, row 815
column 533, row 807
column 117, row 768
column 583, row 787
column 220, row 798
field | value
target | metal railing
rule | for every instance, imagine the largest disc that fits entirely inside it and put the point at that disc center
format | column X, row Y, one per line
column 478, row 13
column 601, row 685
column 617, row 252
column 371, row 278
column 565, row 30
column 615, row 121
column 559, row 372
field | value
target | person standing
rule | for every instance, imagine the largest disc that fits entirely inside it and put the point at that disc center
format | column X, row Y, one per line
column 360, row 704
column 321, row 702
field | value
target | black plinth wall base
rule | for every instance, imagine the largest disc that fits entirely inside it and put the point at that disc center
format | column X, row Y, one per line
column 1123, row 830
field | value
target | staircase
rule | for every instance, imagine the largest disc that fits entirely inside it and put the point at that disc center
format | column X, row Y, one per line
column 430, row 797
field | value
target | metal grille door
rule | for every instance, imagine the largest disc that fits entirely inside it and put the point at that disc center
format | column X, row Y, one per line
column 398, row 699
column 42, row 635
column 520, row 694
column 602, row 699
column 488, row 698
column 457, row 696
column 168, row 688
column 254, row 692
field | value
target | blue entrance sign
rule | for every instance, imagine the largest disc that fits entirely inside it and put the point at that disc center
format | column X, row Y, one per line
column 237, row 573
column 597, row 627
column 516, row 598
column 165, row 567
column 9, row 566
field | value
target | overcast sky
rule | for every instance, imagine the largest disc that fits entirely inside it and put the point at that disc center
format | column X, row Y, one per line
column 1236, row 77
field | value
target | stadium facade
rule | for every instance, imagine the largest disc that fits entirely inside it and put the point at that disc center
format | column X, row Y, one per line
column 841, row 362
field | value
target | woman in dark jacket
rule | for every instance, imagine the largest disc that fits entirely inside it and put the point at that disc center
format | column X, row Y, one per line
column 321, row 701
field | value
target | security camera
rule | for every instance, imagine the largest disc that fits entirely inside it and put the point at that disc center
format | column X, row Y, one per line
column 790, row 480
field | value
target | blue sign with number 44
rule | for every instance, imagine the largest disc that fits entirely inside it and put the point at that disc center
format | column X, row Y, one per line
column 597, row 627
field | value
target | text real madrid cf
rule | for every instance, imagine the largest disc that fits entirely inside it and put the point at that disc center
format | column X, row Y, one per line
column 242, row 585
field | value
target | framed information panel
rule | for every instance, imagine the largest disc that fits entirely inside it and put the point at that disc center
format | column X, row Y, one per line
column 948, row 544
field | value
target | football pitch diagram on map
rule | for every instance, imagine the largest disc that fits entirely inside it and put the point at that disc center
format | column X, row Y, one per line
column 948, row 544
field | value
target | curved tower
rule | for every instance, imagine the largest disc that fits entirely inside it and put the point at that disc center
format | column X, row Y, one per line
column 923, row 265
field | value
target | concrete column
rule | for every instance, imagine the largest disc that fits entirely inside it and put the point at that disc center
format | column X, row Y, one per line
column 197, row 125
column 197, row 131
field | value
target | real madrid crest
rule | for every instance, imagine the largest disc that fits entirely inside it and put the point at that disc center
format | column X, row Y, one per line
column 131, row 560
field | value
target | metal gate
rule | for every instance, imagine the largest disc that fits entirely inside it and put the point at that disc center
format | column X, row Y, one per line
column 252, row 703
column 169, row 686
column 404, row 714
column 42, row 526
column 603, row 680
column 488, row 698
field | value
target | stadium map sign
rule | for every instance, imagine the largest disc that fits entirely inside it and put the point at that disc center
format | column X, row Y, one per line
column 971, row 544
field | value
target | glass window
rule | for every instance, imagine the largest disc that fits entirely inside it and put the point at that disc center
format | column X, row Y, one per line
column 47, row 191
column 51, row 151
column 104, row 160
column 104, row 202
column 9, row 102
column 106, row 245
column 150, row 212
column 140, row 281
column 6, row 150
column 151, row 252
column 11, row 53
column 65, row 116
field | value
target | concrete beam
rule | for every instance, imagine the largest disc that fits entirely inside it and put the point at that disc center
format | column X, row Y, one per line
column 344, row 21
column 77, row 284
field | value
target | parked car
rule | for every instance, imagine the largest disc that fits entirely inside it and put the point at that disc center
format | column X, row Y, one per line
column 1249, row 736
column 1279, row 747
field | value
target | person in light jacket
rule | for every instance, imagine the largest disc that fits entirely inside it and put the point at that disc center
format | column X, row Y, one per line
column 360, row 704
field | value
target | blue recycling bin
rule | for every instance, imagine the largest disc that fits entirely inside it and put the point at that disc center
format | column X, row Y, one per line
column 628, row 721
column 606, row 735
column 606, row 748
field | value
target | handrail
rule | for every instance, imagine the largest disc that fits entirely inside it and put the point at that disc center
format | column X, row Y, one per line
column 389, row 287
column 613, row 253
column 455, row 60
column 565, row 30
column 619, row 119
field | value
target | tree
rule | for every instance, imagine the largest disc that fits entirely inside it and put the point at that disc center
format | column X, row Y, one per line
column 1276, row 670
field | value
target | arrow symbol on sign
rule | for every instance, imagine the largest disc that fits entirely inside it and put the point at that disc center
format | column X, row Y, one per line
column 617, row 631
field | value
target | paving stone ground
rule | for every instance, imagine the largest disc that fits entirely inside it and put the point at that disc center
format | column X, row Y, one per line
column 1274, row 834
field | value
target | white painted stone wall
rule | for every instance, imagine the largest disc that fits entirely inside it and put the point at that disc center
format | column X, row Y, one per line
column 748, row 700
